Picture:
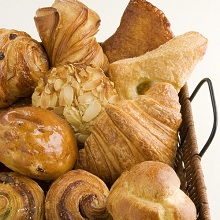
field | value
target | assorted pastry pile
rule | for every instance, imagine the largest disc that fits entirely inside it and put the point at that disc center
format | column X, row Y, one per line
column 89, row 130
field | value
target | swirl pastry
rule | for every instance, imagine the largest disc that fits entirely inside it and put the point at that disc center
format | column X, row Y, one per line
column 172, row 62
column 37, row 143
column 149, row 190
column 67, row 30
column 21, row 198
column 77, row 195
column 79, row 93
column 22, row 62
column 132, row 131
column 143, row 27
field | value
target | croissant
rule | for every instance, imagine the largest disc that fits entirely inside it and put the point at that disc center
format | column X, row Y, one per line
column 132, row 131
column 67, row 30
column 78, row 93
column 77, row 194
column 22, row 62
column 37, row 143
column 149, row 190
column 143, row 27
column 172, row 62
column 20, row 197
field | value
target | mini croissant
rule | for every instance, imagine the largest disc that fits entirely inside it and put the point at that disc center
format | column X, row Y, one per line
column 23, row 62
column 132, row 131
column 172, row 62
column 67, row 30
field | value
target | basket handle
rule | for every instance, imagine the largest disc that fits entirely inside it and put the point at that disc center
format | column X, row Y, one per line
column 214, row 107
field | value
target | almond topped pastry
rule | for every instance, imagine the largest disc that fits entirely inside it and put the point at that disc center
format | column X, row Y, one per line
column 78, row 93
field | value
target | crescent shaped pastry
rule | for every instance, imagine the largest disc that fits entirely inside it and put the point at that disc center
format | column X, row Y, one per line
column 79, row 195
column 37, row 143
column 67, row 30
column 20, row 197
column 23, row 62
column 143, row 27
column 172, row 62
column 132, row 131
column 149, row 190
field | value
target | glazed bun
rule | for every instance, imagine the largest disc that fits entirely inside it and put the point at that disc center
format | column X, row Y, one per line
column 37, row 143
column 150, row 190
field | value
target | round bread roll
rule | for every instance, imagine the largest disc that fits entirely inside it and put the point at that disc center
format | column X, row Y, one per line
column 37, row 143
column 150, row 190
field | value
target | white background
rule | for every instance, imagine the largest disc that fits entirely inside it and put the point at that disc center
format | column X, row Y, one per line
column 184, row 15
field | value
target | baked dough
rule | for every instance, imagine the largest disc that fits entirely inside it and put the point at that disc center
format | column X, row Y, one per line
column 37, row 143
column 149, row 190
column 67, row 30
column 132, row 131
column 143, row 27
column 23, row 62
column 172, row 62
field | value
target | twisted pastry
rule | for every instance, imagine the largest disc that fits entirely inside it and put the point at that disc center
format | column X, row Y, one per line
column 77, row 195
column 143, row 27
column 79, row 93
column 22, row 62
column 132, row 131
column 149, row 190
column 67, row 31
column 21, row 198
column 36, row 143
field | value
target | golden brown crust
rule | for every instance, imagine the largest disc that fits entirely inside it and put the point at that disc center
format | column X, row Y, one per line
column 67, row 30
column 143, row 27
column 133, row 131
column 77, row 93
column 172, row 62
column 37, row 143
column 22, row 62
column 20, row 197
column 149, row 190
column 79, row 195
